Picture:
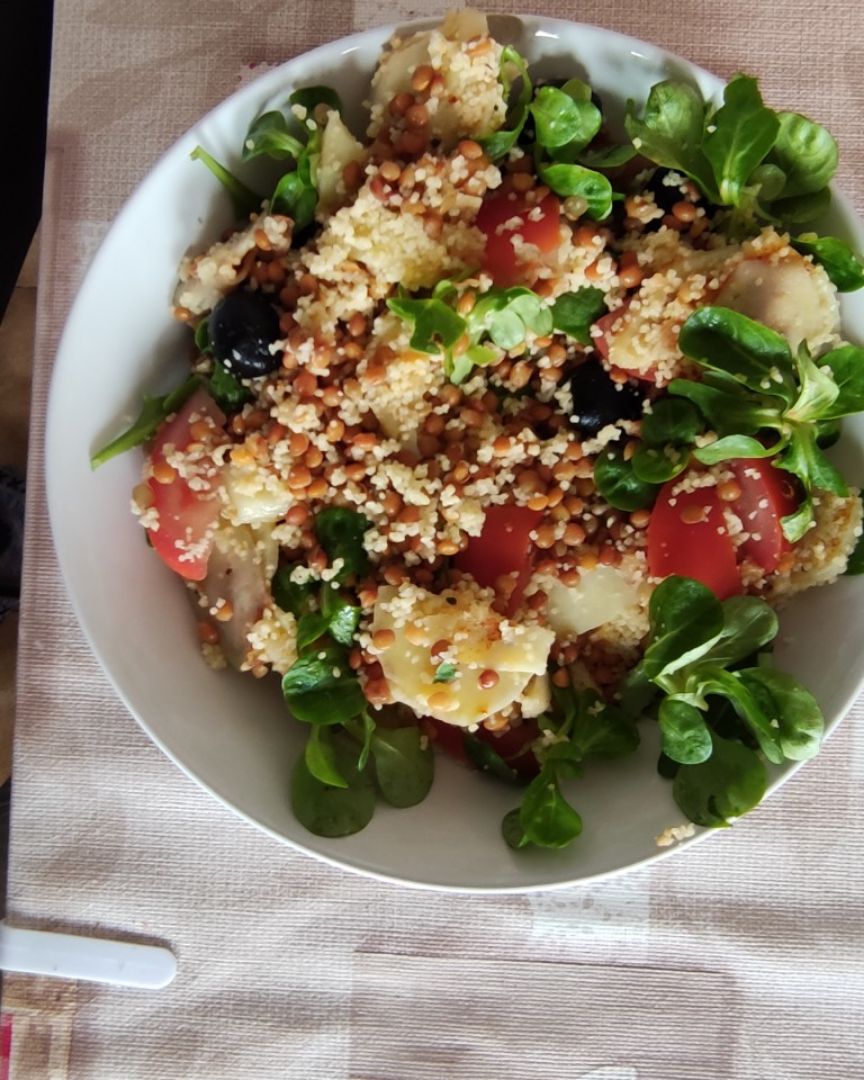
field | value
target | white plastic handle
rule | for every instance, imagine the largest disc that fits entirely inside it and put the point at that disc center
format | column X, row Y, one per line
column 67, row 956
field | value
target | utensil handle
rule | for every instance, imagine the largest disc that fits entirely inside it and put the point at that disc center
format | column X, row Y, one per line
column 68, row 956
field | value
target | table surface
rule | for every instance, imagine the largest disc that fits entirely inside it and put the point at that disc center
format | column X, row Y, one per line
column 744, row 959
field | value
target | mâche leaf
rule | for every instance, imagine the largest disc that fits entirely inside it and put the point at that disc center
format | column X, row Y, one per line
column 269, row 136
column 573, row 313
column 560, row 120
column 754, row 355
column 738, row 137
column 404, row 765
column 340, row 532
column 805, row 152
column 671, row 130
column 329, row 810
column 575, row 180
column 727, row 785
column 501, row 142
column 839, row 261
column 154, row 411
column 619, row 484
column 243, row 198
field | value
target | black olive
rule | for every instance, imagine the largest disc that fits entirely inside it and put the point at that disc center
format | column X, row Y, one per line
column 242, row 327
column 598, row 401
column 665, row 195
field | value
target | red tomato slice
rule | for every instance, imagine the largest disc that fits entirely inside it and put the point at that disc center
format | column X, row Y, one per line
column 503, row 547
column 605, row 324
column 767, row 495
column 186, row 517
column 511, row 746
column 541, row 230
column 701, row 549
column 601, row 344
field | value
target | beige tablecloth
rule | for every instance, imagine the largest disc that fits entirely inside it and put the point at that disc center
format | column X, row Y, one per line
column 743, row 959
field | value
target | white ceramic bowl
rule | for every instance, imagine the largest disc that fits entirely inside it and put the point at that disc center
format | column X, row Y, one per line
column 231, row 733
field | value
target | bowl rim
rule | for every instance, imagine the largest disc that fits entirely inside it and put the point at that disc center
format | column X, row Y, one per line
column 51, row 447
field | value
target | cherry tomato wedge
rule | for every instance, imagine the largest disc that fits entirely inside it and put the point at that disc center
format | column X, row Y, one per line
column 513, row 746
column 605, row 324
column 601, row 343
column 503, row 217
column 767, row 495
column 187, row 517
column 687, row 535
column 503, row 547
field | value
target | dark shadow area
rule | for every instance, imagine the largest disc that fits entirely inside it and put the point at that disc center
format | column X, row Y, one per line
column 25, row 58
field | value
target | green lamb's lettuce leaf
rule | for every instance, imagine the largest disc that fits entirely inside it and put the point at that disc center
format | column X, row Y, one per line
column 545, row 817
column 583, row 728
column 244, row 199
column 686, row 620
column 620, row 485
column 695, row 649
column 685, row 734
column 738, row 137
column 154, row 411
column 501, row 142
column 776, row 166
column 727, row 785
column 485, row 758
column 320, row 688
column 573, row 313
column 310, row 97
column 437, row 326
column 805, row 152
column 269, row 136
column 226, row 389
column 607, row 157
column 840, row 263
column 765, row 403
column 404, row 765
column 320, row 758
column 575, row 180
column 328, row 809
column 754, row 355
column 499, row 320
column 671, row 131
column 671, row 421
column 340, row 532
column 562, row 121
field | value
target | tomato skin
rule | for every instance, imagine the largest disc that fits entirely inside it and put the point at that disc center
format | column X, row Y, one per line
column 601, row 343
column 500, row 256
column 512, row 746
column 767, row 495
column 702, row 550
column 503, row 547
column 184, row 515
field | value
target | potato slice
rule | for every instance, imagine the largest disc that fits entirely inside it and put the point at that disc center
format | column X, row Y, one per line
column 338, row 149
column 479, row 639
column 604, row 594
column 792, row 296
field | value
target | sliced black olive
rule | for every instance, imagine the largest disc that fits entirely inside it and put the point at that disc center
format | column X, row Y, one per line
column 598, row 400
column 243, row 325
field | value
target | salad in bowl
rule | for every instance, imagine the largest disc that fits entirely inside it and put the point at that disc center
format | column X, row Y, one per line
column 504, row 432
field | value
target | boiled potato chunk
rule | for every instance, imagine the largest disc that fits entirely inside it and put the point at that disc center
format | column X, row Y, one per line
column 254, row 498
column 479, row 639
column 338, row 149
column 604, row 594
column 793, row 297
